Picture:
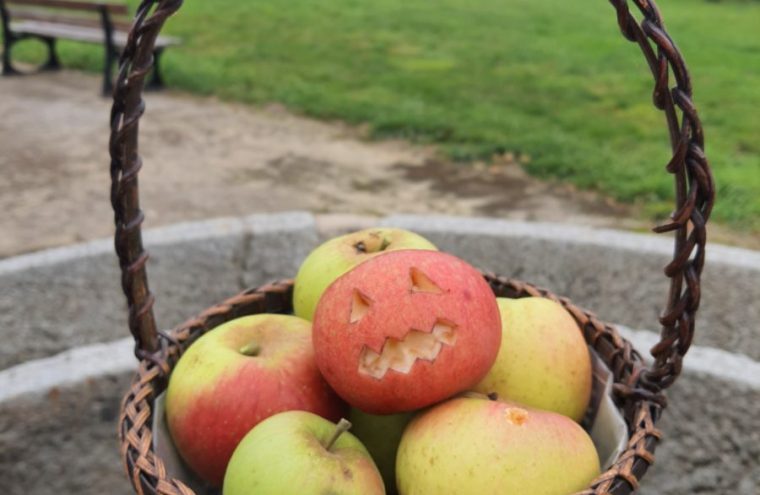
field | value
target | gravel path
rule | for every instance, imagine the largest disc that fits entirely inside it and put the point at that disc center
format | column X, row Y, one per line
column 204, row 158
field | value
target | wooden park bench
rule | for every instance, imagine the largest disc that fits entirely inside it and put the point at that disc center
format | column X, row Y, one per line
column 79, row 20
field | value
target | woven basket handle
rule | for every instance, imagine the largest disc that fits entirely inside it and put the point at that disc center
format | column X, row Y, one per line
column 693, row 182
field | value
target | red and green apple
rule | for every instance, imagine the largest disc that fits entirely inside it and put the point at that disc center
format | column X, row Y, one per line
column 477, row 445
column 405, row 330
column 235, row 376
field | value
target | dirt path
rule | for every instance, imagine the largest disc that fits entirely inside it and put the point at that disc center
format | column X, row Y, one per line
column 204, row 159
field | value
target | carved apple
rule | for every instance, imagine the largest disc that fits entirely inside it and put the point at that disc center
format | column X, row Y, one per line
column 405, row 330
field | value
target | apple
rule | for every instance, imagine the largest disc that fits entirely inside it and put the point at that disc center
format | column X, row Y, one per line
column 300, row 452
column 405, row 330
column 235, row 376
column 340, row 254
column 381, row 436
column 544, row 361
column 476, row 445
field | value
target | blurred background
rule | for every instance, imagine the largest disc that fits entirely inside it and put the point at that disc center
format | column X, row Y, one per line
column 490, row 94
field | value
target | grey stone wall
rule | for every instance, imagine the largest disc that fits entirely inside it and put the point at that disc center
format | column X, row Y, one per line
column 712, row 440
column 72, row 296
column 61, row 439
column 618, row 275
column 58, row 412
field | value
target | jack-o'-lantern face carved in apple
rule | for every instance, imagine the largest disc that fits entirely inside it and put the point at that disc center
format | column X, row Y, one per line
column 406, row 330
column 400, row 355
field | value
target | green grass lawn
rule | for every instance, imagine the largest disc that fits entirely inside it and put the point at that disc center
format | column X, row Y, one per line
column 552, row 81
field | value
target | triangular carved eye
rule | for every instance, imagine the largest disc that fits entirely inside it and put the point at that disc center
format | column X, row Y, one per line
column 422, row 283
column 359, row 306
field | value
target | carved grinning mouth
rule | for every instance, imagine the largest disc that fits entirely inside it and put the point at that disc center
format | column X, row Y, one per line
column 400, row 355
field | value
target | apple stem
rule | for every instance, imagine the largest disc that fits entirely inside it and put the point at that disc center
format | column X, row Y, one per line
column 251, row 349
column 342, row 426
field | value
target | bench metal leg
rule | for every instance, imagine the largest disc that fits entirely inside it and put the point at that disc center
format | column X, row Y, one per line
column 156, row 81
column 8, row 69
column 111, row 57
column 53, row 63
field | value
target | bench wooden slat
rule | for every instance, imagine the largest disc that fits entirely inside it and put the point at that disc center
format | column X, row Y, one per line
column 113, row 8
column 76, row 33
column 90, row 21
column 71, row 20
column 79, row 33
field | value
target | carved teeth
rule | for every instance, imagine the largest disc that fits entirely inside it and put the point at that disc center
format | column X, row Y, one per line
column 401, row 355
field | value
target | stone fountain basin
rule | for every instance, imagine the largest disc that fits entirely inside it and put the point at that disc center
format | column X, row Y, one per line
column 66, row 356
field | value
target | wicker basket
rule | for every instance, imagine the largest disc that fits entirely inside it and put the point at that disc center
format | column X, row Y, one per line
column 637, row 390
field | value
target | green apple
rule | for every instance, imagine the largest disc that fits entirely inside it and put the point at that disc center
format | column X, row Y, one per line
column 381, row 435
column 476, row 445
column 340, row 254
column 543, row 361
column 237, row 375
column 300, row 452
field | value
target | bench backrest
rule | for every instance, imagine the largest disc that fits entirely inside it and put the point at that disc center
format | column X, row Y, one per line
column 70, row 12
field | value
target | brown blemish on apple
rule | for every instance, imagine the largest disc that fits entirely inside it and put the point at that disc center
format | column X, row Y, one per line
column 422, row 283
column 359, row 306
column 400, row 355
column 516, row 415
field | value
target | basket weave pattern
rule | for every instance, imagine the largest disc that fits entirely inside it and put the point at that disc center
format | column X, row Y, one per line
column 637, row 390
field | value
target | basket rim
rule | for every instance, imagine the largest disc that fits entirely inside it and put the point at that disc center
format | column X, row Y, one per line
column 146, row 470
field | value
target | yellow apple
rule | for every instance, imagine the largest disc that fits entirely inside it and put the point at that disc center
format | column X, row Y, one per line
column 543, row 360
